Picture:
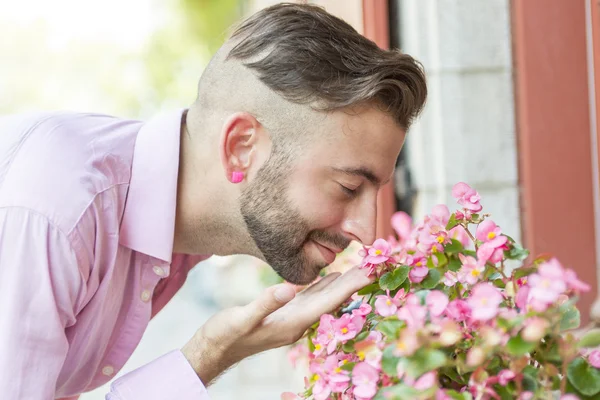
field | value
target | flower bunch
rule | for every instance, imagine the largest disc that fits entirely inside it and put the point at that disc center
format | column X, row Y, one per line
column 447, row 318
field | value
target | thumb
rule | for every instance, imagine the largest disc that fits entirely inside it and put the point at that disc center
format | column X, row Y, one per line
column 270, row 300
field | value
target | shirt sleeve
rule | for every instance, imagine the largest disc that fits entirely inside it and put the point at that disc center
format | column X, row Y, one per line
column 168, row 377
column 39, row 287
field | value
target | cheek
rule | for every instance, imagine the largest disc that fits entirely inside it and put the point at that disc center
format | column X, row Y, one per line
column 319, row 208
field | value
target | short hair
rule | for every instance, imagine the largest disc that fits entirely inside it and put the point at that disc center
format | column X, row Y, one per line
column 309, row 56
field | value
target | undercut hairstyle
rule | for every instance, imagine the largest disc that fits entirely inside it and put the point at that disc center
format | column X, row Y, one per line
column 310, row 57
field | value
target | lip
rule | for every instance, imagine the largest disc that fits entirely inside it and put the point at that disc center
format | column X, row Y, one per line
column 328, row 253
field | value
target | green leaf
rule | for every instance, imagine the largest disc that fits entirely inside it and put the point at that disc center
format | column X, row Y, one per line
column 373, row 287
column 530, row 378
column 499, row 283
column 361, row 336
column 503, row 392
column 454, row 247
column 442, row 259
column 430, row 263
column 452, row 374
column 454, row 264
column 516, row 253
column 348, row 347
column 452, row 222
column 424, row 360
column 471, row 253
column 397, row 392
column 571, row 389
column 550, row 352
column 394, row 279
column 432, row 279
column 348, row 366
column 521, row 272
column 570, row 319
column 389, row 362
column 459, row 396
column 390, row 328
column 584, row 377
column 518, row 347
column 590, row 339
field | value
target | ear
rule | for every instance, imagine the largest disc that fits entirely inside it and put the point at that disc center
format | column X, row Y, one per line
column 240, row 139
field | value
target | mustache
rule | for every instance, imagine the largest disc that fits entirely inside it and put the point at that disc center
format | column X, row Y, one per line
column 337, row 241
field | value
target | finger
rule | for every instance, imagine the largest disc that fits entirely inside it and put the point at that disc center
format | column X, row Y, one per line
column 326, row 280
column 334, row 294
column 270, row 300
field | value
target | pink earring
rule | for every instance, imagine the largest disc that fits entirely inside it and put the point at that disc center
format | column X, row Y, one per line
column 237, row 176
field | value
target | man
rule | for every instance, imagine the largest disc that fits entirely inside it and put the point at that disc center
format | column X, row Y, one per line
column 298, row 122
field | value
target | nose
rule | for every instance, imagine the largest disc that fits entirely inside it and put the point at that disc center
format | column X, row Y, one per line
column 361, row 220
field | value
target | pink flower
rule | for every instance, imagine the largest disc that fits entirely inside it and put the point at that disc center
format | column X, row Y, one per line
column 436, row 302
column 368, row 350
column 467, row 197
column 488, row 252
column 332, row 331
column 569, row 396
column 450, row 278
column 548, row 283
column 364, row 379
column 417, row 274
column 402, row 224
column 459, row 233
column 522, row 297
column 489, row 232
column 378, row 253
column 328, row 377
column 594, row 358
column 424, row 382
column 505, row 376
column 458, row 310
column 359, row 315
column 450, row 333
column 574, row 283
column 298, row 351
column 386, row 305
column 484, row 301
column 413, row 312
column 441, row 213
column 471, row 271
column 325, row 335
column 526, row 396
column 344, row 328
column 407, row 344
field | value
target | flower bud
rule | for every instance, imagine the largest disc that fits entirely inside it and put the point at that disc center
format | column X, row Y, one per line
column 535, row 329
column 475, row 357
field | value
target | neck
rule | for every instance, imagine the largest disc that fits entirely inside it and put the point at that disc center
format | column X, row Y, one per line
column 208, row 219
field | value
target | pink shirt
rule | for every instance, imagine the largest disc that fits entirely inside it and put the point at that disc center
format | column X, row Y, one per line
column 87, row 216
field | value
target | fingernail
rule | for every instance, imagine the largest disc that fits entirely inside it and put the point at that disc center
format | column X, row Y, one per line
column 284, row 293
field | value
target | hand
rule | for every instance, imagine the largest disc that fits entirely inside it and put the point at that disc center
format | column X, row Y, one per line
column 280, row 316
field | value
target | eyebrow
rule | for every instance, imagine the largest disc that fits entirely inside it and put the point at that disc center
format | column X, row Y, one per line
column 362, row 172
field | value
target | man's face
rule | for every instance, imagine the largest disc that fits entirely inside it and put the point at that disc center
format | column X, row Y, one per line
column 303, row 211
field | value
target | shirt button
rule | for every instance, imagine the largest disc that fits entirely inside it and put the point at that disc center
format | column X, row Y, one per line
column 108, row 370
column 158, row 271
column 146, row 295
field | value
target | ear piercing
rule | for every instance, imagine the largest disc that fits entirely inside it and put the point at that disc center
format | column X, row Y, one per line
column 237, row 176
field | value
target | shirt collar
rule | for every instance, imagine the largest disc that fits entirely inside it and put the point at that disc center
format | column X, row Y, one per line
column 148, row 224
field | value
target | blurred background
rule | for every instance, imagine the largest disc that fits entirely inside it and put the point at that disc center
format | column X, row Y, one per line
column 512, row 111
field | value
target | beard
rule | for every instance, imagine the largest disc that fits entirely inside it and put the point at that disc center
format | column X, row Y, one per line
column 278, row 229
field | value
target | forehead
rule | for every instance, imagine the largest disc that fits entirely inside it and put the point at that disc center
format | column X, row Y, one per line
column 361, row 136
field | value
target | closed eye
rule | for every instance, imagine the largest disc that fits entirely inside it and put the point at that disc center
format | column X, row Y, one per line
column 348, row 191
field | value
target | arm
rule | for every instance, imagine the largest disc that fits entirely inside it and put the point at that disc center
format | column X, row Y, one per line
column 39, row 287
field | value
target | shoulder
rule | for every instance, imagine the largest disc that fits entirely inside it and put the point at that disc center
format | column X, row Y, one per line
column 58, row 163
